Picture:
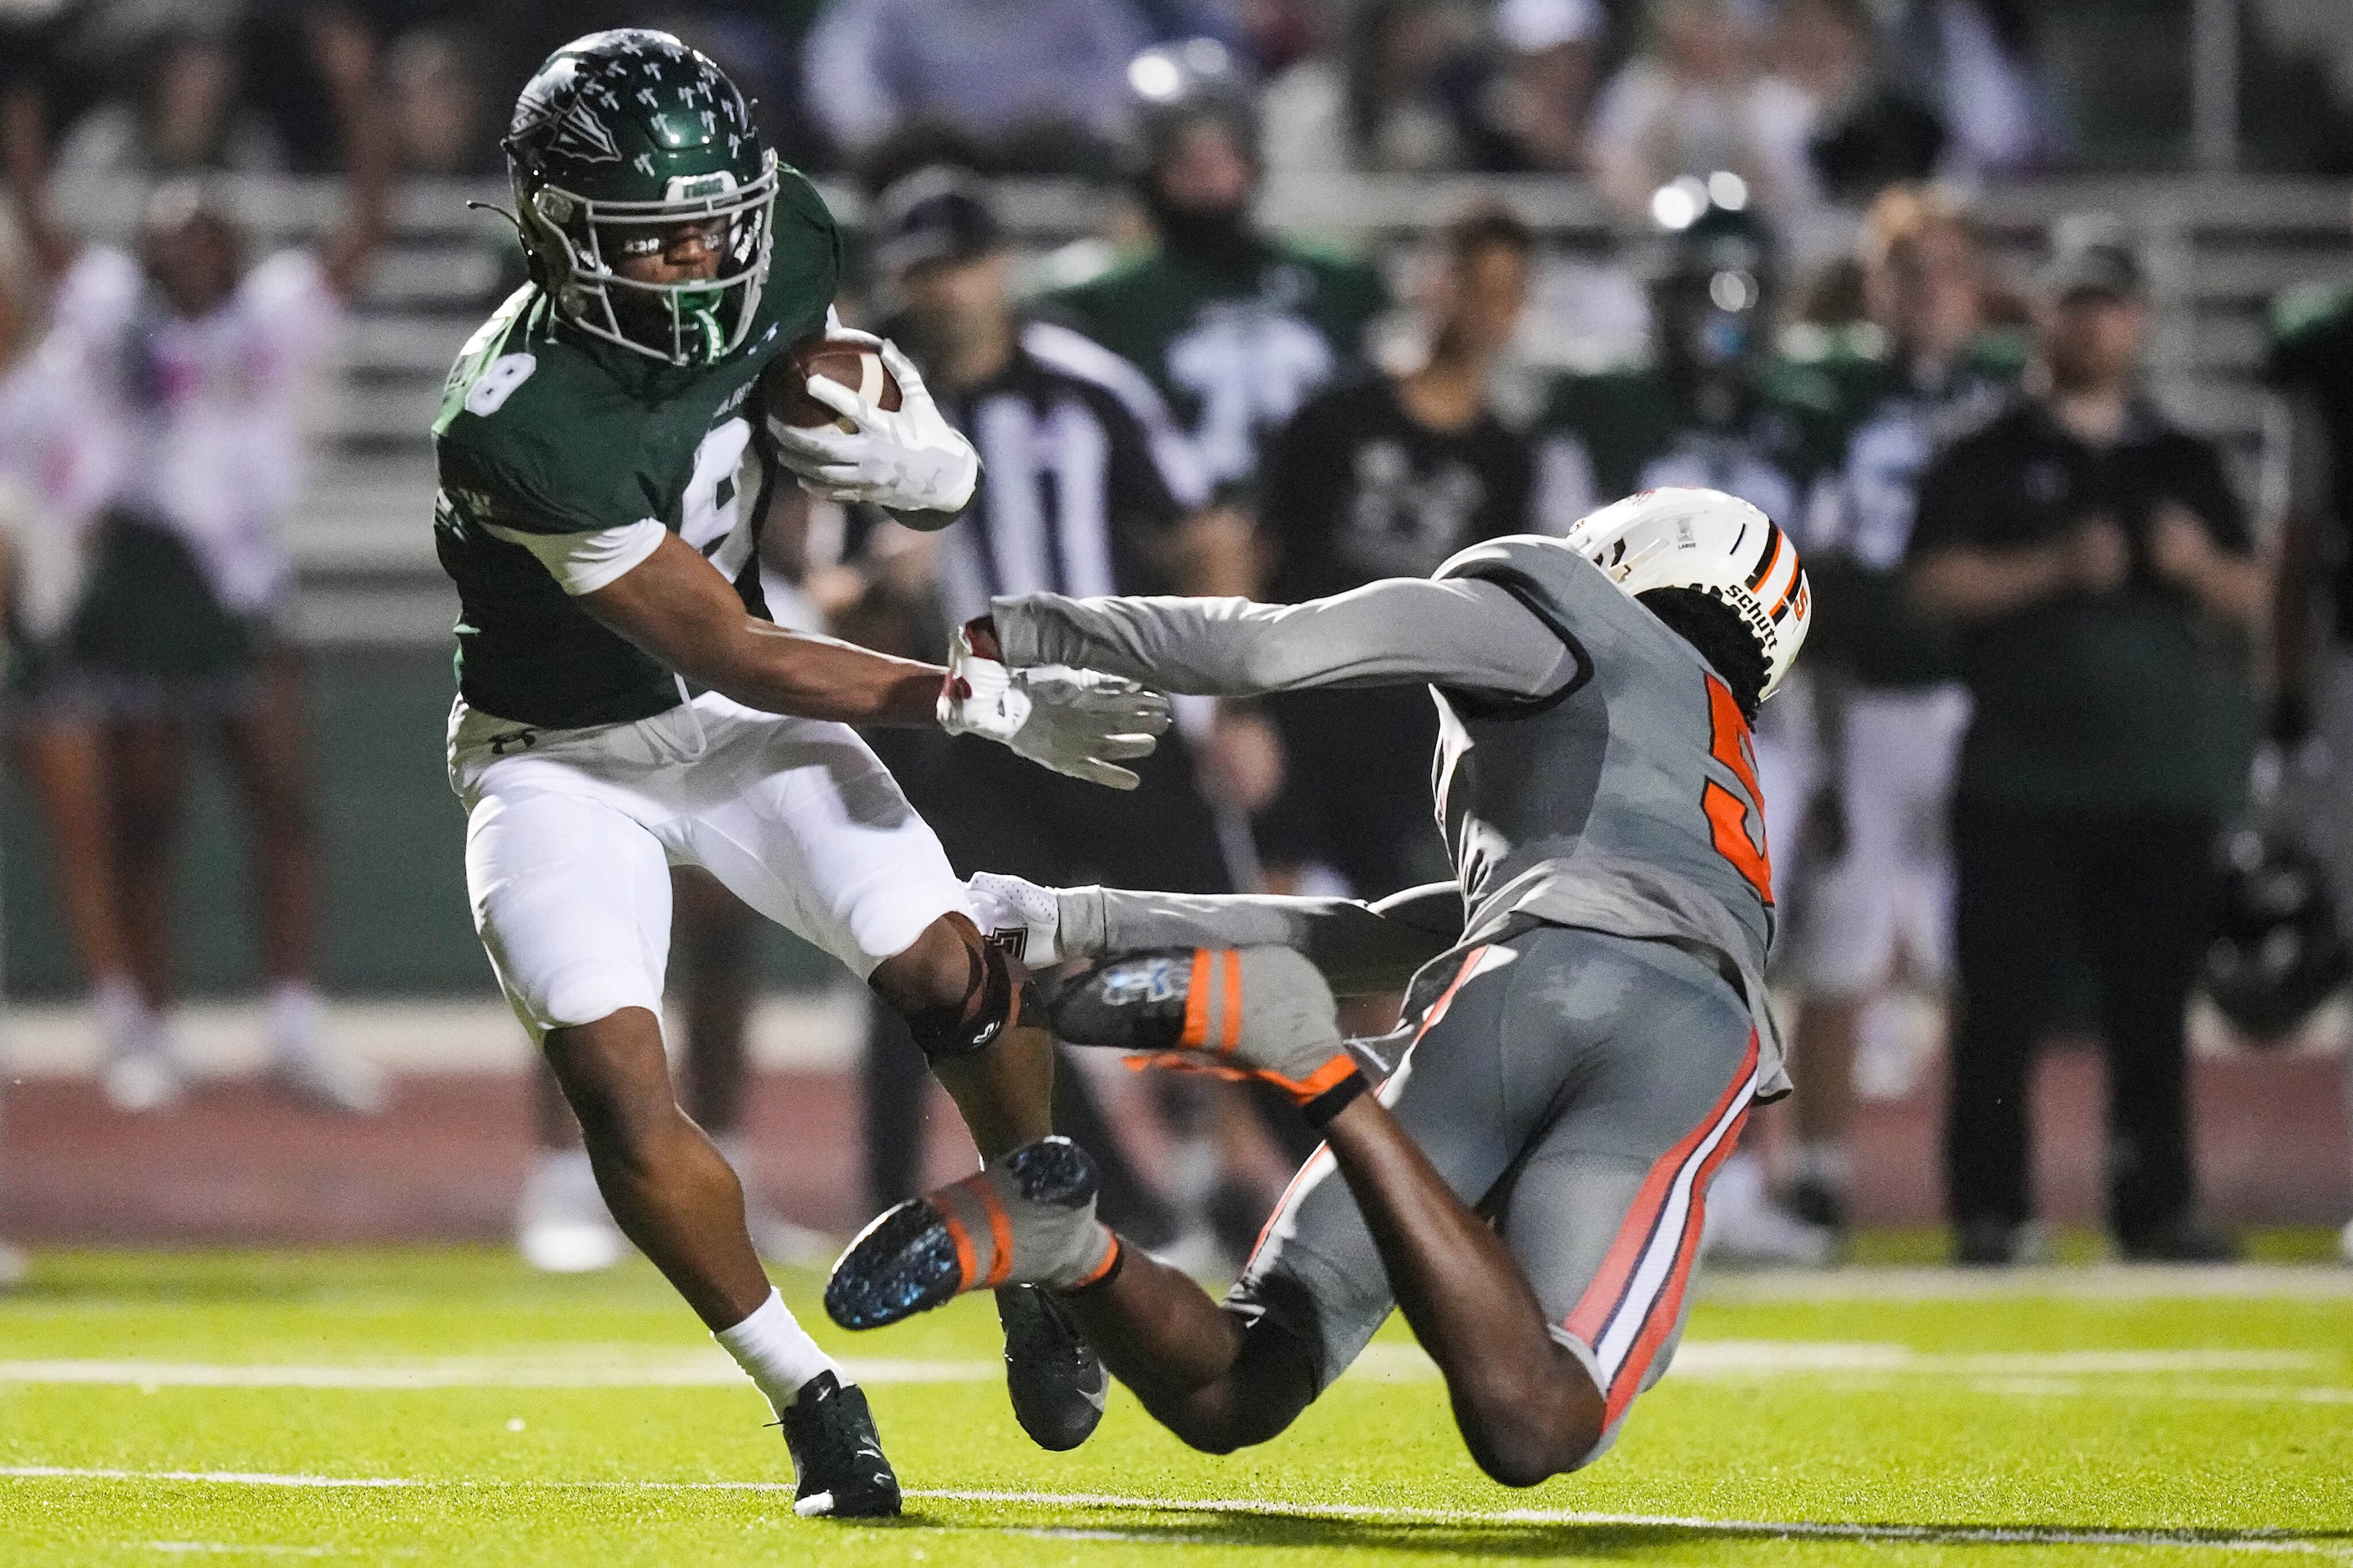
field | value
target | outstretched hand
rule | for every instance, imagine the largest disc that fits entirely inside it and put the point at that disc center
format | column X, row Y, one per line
column 1081, row 722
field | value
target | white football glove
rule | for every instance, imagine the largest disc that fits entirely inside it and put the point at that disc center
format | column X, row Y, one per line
column 1076, row 722
column 906, row 459
column 1021, row 916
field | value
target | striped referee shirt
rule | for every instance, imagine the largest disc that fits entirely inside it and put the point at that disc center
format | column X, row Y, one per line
column 1080, row 467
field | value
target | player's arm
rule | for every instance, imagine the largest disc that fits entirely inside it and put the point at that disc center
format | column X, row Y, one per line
column 676, row 606
column 649, row 587
column 1458, row 633
column 1360, row 948
column 343, row 49
column 25, row 164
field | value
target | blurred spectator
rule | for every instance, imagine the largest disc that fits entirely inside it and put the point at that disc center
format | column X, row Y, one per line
column 61, row 450
column 1714, row 408
column 1821, row 58
column 1969, row 61
column 439, row 108
column 181, row 116
column 1868, row 845
column 1236, row 327
column 1540, row 100
column 2311, row 365
column 1391, row 98
column 180, row 625
column 1088, row 488
column 1387, row 475
column 1691, row 102
column 1034, row 82
column 2100, row 578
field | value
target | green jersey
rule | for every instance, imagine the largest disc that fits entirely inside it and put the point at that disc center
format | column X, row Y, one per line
column 544, row 430
column 1891, row 422
column 1235, row 353
column 1606, row 436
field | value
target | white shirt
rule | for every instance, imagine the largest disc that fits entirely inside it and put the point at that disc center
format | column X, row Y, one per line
column 217, row 407
column 63, row 445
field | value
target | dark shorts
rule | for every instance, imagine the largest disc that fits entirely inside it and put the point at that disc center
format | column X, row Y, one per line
column 152, row 637
column 1581, row 1090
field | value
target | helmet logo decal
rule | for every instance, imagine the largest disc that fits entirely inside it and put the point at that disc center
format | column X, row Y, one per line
column 581, row 132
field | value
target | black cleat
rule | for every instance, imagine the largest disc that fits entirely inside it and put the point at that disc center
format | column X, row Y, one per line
column 1038, row 1203
column 837, row 1456
column 1057, row 1382
column 2185, row 1238
column 1818, row 1203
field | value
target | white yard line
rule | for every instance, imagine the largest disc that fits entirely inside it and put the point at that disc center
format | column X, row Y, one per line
column 691, row 1370
column 2027, row 1535
column 2097, row 1281
column 625, row 1367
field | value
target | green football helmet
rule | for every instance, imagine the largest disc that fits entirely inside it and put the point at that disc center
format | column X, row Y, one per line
column 617, row 138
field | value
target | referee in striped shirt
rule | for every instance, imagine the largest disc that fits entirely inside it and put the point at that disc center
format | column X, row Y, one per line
column 1088, row 488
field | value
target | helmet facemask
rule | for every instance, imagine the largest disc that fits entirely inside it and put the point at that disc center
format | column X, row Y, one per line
column 576, row 241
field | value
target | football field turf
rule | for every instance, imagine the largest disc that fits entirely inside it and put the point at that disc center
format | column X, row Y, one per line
column 446, row 1407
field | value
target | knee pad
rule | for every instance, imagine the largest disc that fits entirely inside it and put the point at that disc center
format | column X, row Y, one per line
column 994, row 1001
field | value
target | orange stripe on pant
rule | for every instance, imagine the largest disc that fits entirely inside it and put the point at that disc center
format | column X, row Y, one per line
column 1591, row 1315
column 1668, row 1305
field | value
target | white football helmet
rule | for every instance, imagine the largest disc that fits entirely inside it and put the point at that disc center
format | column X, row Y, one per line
column 1719, row 544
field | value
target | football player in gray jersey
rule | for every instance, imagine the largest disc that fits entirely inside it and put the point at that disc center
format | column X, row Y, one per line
column 1584, row 1031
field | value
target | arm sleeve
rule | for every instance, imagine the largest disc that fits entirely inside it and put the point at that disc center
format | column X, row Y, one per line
column 1400, row 631
column 584, row 562
column 1360, row 948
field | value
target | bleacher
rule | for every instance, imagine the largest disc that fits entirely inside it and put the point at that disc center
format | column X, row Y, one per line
column 2219, row 247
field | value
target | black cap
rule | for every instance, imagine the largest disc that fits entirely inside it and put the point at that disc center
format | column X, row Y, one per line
column 935, row 214
column 2101, row 264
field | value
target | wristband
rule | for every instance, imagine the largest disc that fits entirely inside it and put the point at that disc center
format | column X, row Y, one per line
column 1320, row 1109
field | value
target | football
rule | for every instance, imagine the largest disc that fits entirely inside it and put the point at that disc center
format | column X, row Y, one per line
column 850, row 361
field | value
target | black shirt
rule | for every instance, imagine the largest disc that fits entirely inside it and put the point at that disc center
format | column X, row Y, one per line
column 1355, row 490
column 2133, row 699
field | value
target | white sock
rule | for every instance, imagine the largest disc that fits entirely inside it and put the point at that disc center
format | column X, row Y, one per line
column 776, row 1353
column 296, row 1015
column 124, row 1019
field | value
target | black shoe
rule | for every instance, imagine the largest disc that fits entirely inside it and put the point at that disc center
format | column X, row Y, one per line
column 2186, row 1238
column 1817, row 1203
column 1988, row 1242
column 836, row 1456
column 1056, row 1380
column 915, row 1257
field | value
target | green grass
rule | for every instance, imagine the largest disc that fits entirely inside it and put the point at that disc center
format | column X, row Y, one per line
column 1937, row 1421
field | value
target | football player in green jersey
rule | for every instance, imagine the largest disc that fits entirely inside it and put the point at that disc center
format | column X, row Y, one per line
column 1926, row 367
column 1713, row 407
column 1234, row 327
column 626, row 705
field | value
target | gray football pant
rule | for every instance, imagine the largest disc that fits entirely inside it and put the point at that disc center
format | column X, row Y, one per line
column 1580, row 1090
